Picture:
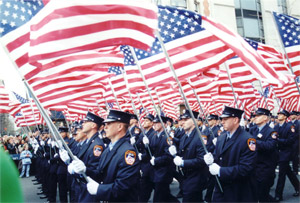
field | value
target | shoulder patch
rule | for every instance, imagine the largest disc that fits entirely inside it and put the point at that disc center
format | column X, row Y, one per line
column 130, row 157
column 97, row 150
column 204, row 138
column 292, row 128
column 170, row 140
column 251, row 144
column 274, row 135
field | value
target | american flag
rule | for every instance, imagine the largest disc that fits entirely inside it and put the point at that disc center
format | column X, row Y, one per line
column 59, row 80
column 4, row 100
column 258, row 66
column 21, row 99
column 118, row 82
column 269, row 94
column 170, row 109
column 15, row 28
column 25, row 112
column 190, row 47
column 274, row 58
column 86, row 25
column 289, row 30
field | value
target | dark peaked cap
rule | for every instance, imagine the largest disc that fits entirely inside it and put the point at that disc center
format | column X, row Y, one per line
column 119, row 116
column 63, row 129
column 212, row 117
column 262, row 111
column 284, row 112
column 187, row 114
column 93, row 118
column 163, row 118
column 150, row 117
column 133, row 116
column 231, row 112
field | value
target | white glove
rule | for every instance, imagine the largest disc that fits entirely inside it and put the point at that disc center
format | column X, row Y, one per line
column 59, row 144
column 132, row 140
column 49, row 142
column 140, row 156
column 35, row 149
column 152, row 161
column 79, row 166
column 52, row 144
column 145, row 140
column 222, row 129
column 208, row 158
column 178, row 161
column 271, row 125
column 214, row 141
column 214, row 169
column 172, row 134
column 71, row 168
column 92, row 186
column 172, row 150
column 64, row 156
column 42, row 143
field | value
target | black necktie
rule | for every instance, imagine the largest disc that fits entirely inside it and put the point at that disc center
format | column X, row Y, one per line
column 185, row 139
column 226, row 140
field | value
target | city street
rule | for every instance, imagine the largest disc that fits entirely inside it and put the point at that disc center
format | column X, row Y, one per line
column 30, row 190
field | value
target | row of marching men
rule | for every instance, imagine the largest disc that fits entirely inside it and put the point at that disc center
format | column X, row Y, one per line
column 125, row 163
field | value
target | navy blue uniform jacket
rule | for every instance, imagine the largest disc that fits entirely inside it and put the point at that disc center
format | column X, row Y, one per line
column 285, row 141
column 267, row 152
column 162, row 168
column 117, row 173
column 237, row 163
column 194, row 167
column 146, row 167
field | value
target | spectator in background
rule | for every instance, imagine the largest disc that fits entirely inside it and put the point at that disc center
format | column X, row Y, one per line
column 11, row 146
column 26, row 161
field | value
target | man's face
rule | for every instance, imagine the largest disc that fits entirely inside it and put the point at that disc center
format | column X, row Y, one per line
column 63, row 134
column 199, row 123
column 211, row 122
column 261, row 119
column 281, row 117
column 147, row 124
column 111, row 129
column 180, row 123
column 157, row 127
column 87, row 126
column 228, row 123
column 188, row 124
column 133, row 122
column 80, row 135
column 293, row 117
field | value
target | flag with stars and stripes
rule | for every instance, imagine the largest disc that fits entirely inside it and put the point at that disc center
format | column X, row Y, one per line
column 289, row 31
column 15, row 19
column 4, row 100
column 66, row 27
column 190, row 47
column 21, row 99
